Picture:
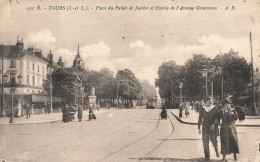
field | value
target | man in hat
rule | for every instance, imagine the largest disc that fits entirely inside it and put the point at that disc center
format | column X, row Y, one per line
column 209, row 114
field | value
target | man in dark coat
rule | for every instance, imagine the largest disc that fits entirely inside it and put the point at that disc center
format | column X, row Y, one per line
column 180, row 110
column 80, row 112
column 209, row 114
column 28, row 110
column 65, row 114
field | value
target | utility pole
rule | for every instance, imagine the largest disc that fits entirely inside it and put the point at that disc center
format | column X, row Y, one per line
column 222, row 79
column 254, row 110
column 51, row 60
column 3, row 114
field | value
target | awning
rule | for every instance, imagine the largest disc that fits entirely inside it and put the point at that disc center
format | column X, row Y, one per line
column 43, row 98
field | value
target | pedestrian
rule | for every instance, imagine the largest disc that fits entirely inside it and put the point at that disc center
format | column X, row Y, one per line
column 91, row 113
column 80, row 113
column 45, row 108
column 32, row 109
column 98, row 106
column 164, row 112
column 209, row 114
column 72, row 111
column 28, row 110
column 19, row 109
column 180, row 110
column 228, row 132
column 187, row 109
column 240, row 112
column 65, row 113
column 48, row 108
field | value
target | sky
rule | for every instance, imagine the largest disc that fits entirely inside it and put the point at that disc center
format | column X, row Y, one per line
column 138, row 40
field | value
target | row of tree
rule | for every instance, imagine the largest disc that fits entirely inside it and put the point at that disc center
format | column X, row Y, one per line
column 236, row 76
column 69, row 83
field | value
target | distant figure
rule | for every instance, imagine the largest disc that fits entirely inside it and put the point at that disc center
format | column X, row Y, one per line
column 80, row 112
column 240, row 112
column 180, row 110
column 187, row 109
column 228, row 132
column 19, row 108
column 164, row 112
column 48, row 108
column 32, row 109
column 65, row 114
column 45, row 108
column 91, row 113
column 28, row 110
column 72, row 111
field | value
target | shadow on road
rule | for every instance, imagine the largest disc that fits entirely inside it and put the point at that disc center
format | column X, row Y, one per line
column 175, row 159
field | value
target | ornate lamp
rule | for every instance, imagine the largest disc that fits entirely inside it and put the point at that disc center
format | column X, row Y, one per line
column 205, row 72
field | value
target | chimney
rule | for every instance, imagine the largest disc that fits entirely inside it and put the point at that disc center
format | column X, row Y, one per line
column 38, row 53
column 31, row 49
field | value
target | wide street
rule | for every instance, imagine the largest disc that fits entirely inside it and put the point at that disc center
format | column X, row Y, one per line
column 117, row 135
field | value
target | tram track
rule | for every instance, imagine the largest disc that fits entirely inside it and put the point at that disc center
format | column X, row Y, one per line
column 158, row 145
column 94, row 132
column 128, row 145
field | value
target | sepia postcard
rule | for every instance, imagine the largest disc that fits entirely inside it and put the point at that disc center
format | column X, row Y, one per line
column 129, row 80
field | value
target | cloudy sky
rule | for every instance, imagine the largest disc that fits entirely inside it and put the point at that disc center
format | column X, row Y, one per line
column 137, row 40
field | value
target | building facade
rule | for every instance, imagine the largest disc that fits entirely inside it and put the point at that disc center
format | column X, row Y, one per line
column 28, row 63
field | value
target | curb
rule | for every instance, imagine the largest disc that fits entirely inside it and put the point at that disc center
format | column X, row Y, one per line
column 191, row 123
column 41, row 122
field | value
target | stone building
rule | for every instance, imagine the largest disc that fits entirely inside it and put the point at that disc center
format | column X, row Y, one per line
column 28, row 63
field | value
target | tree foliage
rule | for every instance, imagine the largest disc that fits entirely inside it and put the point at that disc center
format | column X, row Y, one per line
column 194, row 83
column 236, row 76
column 128, row 86
column 169, row 77
column 236, row 73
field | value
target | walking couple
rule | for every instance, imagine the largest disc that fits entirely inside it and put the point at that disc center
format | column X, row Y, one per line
column 211, row 116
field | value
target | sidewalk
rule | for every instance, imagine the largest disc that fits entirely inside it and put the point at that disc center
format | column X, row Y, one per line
column 192, row 119
column 41, row 118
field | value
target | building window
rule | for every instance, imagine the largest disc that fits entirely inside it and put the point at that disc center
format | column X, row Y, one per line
column 38, row 68
column 38, row 79
column 28, row 79
column 33, row 67
column 12, row 75
column 13, row 64
column 43, row 69
column 33, row 80
column 28, row 66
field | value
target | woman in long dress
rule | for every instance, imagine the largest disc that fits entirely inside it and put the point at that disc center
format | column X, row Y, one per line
column 228, row 132
column 19, row 108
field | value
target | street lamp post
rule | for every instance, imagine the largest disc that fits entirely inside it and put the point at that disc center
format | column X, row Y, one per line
column 205, row 74
column 13, row 84
column 212, row 72
column 4, row 79
column 180, row 86
column 219, row 72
